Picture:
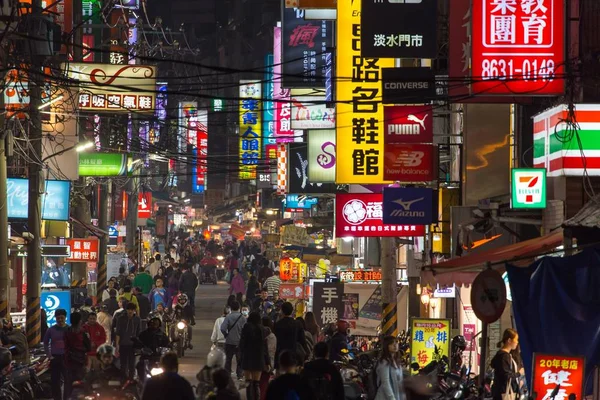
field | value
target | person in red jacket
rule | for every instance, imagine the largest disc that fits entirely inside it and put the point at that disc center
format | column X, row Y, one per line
column 97, row 338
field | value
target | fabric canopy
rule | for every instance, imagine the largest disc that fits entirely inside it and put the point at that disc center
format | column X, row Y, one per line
column 463, row 270
column 556, row 304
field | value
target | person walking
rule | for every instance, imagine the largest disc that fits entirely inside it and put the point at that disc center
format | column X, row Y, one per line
column 288, row 384
column 232, row 331
column 77, row 344
column 54, row 345
column 271, row 343
column 253, row 288
column 155, row 265
column 312, row 326
column 130, row 297
column 97, row 336
column 506, row 374
column 144, row 305
column 273, row 283
column 322, row 376
column 109, row 285
column 289, row 333
column 188, row 282
column 217, row 338
column 128, row 326
column 309, row 343
column 389, row 372
column 169, row 384
column 112, row 304
column 253, row 352
column 105, row 320
column 238, row 287
column 158, row 295
column 144, row 281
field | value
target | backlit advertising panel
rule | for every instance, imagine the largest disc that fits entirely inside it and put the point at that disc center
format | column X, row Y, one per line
column 413, row 205
column 200, row 125
column 311, row 112
column 321, row 155
column 409, row 162
column 283, row 126
column 268, row 127
column 360, row 130
column 55, row 199
column 518, row 47
column 361, row 215
column 408, row 124
column 250, row 128
column 560, row 375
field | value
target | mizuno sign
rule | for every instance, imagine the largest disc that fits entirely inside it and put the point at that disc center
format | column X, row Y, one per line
column 409, row 205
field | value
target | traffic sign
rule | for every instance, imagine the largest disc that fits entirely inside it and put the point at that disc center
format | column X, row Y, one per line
column 488, row 296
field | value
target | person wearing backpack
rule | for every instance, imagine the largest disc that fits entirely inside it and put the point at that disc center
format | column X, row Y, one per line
column 288, row 385
column 322, row 376
column 389, row 372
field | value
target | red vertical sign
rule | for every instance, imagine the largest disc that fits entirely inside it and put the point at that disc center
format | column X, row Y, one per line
column 563, row 374
column 144, row 205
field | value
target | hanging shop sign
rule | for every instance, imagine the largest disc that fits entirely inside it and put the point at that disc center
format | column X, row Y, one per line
column 311, row 112
column 217, row 105
column 328, row 303
column 289, row 291
column 360, row 130
column 55, row 300
column 102, row 164
column 294, row 201
column 321, row 155
column 281, row 96
column 558, row 376
column 317, row 4
column 55, row 199
column 304, row 45
column 360, row 276
column 409, row 162
column 408, row 124
column 16, row 93
column 518, row 49
column 144, row 205
column 408, row 85
column 250, row 128
column 282, row 164
column 298, row 181
column 399, row 29
column 268, row 127
column 114, row 88
column 295, row 236
column 199, row 125
column 427, row 336
column 528, row 188
column 361, row 215
column 83, row 250
column 410, row 206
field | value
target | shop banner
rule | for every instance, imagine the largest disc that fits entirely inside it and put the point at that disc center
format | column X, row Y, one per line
column 144, row 205
column 558, row 371
column 83, row 250
column 55, row 300
column 408, row 124
column 102, row 164
column 360, row 276
column 528, row 188
column 311, row 112
column 408, row 85
column 409, row 162
column 321, row 155
column 298, row 180
column 288, row 291
column 268, row 90
column 399, row 29
column 304, row 47
column 427, row 335
column 328, row 303
column 283, row 123
column 55, row 199
column 282, row 165
column 360, row 127
column 361, row 215
column 293, row 201
column 295, row 236
column 413, row 206
column 250, row 128
column 199, row 124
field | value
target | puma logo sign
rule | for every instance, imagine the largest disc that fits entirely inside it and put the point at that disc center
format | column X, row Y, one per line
column 414, row 118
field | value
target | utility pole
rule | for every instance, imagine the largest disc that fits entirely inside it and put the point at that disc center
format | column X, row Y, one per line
column 34, row 220
column 389, row 323
column 4, row 267
column 103, row 225
column 132, row 218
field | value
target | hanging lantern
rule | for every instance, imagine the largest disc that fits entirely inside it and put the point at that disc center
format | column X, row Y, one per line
column 285, row 268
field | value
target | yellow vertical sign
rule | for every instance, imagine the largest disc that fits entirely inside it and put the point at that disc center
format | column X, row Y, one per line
column 360, row 127
column 429, row 336
column 250, row 128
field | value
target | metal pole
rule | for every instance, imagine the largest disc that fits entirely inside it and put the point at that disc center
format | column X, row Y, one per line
column 4, row 275
column 389, row 323
column 102, row 224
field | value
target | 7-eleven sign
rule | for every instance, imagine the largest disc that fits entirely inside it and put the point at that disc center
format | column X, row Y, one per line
column 528, row 188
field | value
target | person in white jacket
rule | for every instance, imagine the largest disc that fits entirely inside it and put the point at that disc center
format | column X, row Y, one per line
column 217, row 337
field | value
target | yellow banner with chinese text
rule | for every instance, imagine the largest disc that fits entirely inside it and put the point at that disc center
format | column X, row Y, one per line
column 250, row 128
column 430, row 340
column 360, row 127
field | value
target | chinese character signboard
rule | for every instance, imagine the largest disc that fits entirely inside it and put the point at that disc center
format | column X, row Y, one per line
column 250, row 128
column 114, row 88
column 217, row 105
column 293, row 201
column 327, row 302
column 412, row 206
column 199, row 124
column 311, row 112
column 304, row 45
column 518, row 47
column 55, row 200
column 361, row 215
column 551, row 371
column 321, row 155
column 426, row 335
column 144, row 205
column 409, row 162
column 298, row 181
column 360, row 276
column 55, row 300
column 528, row 188
column 398, row 29
column 102, row 164
column 408, row 124
column 283, row 126
column 359, row 111
column 268, row 128
column 289, row 291
column 83, row 250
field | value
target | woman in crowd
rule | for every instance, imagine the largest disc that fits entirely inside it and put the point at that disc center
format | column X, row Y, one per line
column 309, row 343
column 389, row 372
column 312, row 326
column 505, row 368
column 271, row 343
column 253, row 351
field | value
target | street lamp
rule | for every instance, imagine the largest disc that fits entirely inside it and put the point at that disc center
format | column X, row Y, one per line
column 78, row 148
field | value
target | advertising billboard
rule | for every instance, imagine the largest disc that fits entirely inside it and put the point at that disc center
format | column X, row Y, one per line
column 55, row 300
column 409, row 162
column 399, row 29
column 144, row 205
column 268, row 127
column 427, row 335
column 83, row 250
column 518, row 49
column 282, row 164
column 250, row 127
column 410, row 206
column 304, row 45
column 359, row 140
column 408, row 85
column 55, row 199
column 528, row 188
column 114, row 88
column 321, row 155
column 361, row 215
column 298, row 180
column 199, row 124
column 293, row 201
column 558, row 376
column 408, row 124
column 102, row 164
column 311, row 112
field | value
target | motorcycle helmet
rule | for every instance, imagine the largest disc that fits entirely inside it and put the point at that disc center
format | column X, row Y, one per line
column 182, row 299
column 215, row 358
column 154, row 317
column 105, row 349
column 459, row 343
column 5, row 357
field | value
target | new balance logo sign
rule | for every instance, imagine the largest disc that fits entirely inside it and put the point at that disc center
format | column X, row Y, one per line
column 405, row 211
column 409, row 159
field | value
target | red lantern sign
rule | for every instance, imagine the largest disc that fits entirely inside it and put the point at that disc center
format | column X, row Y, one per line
column 286, row 265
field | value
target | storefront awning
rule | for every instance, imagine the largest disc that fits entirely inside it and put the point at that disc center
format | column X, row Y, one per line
column 463, row 270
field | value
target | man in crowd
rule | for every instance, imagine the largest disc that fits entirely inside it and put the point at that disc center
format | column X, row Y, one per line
column 97, row 336
column 158, row 295
column 169, row 384
column 143, row 303
column 232, row 330
column 288, row 331
column 322, row 377
column 273, row 283
column 188, row 284
column 128, row 326
column 288, row 384
column 54, row 345
column 144, row 281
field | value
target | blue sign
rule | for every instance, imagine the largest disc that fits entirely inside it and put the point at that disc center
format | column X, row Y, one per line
column 409, row 206
column 113, row 232
column 291, row 201
column 268, row 126
column 55, row 202
column 54, row 300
